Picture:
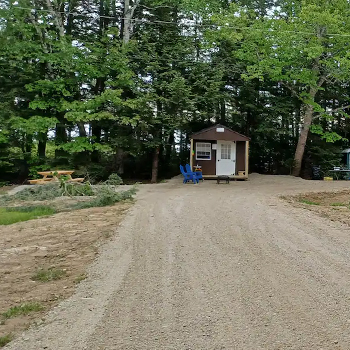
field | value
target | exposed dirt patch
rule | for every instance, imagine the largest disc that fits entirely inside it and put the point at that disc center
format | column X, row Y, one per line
column 333, row 205
column 212, row 267
column 6, row 189
column 66, row 242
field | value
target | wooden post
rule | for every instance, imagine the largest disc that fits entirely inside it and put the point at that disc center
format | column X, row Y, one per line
column 247, row 158
column 191, row 155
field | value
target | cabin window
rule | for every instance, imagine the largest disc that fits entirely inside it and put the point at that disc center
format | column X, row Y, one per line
column 225, row 151
column 203, row 151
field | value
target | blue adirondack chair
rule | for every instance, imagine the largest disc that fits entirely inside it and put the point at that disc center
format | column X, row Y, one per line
column 188, row 176
column 198, row 173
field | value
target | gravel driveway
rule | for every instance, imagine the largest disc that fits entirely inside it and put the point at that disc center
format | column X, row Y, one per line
column 210, row 266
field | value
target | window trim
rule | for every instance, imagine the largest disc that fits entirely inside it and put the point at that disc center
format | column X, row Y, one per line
column 228, row 151
column 204, row 143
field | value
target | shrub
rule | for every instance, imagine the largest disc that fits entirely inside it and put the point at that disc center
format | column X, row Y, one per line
column 114, row 180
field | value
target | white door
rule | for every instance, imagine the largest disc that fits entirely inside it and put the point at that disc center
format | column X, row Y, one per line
column 226, row 158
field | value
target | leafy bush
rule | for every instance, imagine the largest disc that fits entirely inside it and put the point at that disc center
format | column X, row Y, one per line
column 114, row 180
column 33, row 170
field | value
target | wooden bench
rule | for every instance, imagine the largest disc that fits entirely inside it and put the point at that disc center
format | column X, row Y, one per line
column 223, row 178
column 40, row 181
column 53, row 176
column 78, row 179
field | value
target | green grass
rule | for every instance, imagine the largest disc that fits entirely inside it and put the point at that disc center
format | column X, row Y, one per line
column 306, row 201
column 338, row 205
column 48, row 275
column 5, row 340
column 80, row 278
column 10, row 216
column 23, row 309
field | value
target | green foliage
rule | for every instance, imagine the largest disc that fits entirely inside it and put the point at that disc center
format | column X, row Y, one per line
column 23, row 309
column 100, row 195
column 107, row 196
column 96, row 173
column 105, row 106
column 74, row 190
column 34, row 169
column 37, row 193
column 326, row 157
column 12, row 215
column 48, row 275
column 33, row 125
column 338, row 204
column 80, row 278
column 308, row 202
column 5, row 340
column 114, row 180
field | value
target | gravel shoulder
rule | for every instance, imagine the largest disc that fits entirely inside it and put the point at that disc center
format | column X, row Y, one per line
column 212, row 267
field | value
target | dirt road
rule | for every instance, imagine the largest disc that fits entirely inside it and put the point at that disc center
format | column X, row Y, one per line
column 212, row 267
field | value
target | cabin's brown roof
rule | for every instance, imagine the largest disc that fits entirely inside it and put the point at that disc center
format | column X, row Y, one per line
column 211, row 134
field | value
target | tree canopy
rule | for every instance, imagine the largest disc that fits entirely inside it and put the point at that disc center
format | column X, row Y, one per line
column 118, row 86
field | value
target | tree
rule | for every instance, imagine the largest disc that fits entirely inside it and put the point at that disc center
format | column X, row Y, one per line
column 301, row 49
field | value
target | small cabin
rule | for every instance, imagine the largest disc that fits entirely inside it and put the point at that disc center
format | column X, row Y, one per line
column 218, row 151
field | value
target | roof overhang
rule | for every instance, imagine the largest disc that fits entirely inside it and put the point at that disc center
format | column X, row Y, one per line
column 219, row 132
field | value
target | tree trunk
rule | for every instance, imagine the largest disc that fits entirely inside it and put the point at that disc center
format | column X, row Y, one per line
column 169, row 149
column 126, row 22
column 155, row 165
column 299, row 153
column 60, row 138
column 129, row 9
column 42, row 146
column 96, row 134
column 29, row 145
column 223, row 111
column 120, row 161
column 82, row 130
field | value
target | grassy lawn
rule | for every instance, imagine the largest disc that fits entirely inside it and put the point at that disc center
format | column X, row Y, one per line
column 10, row 216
